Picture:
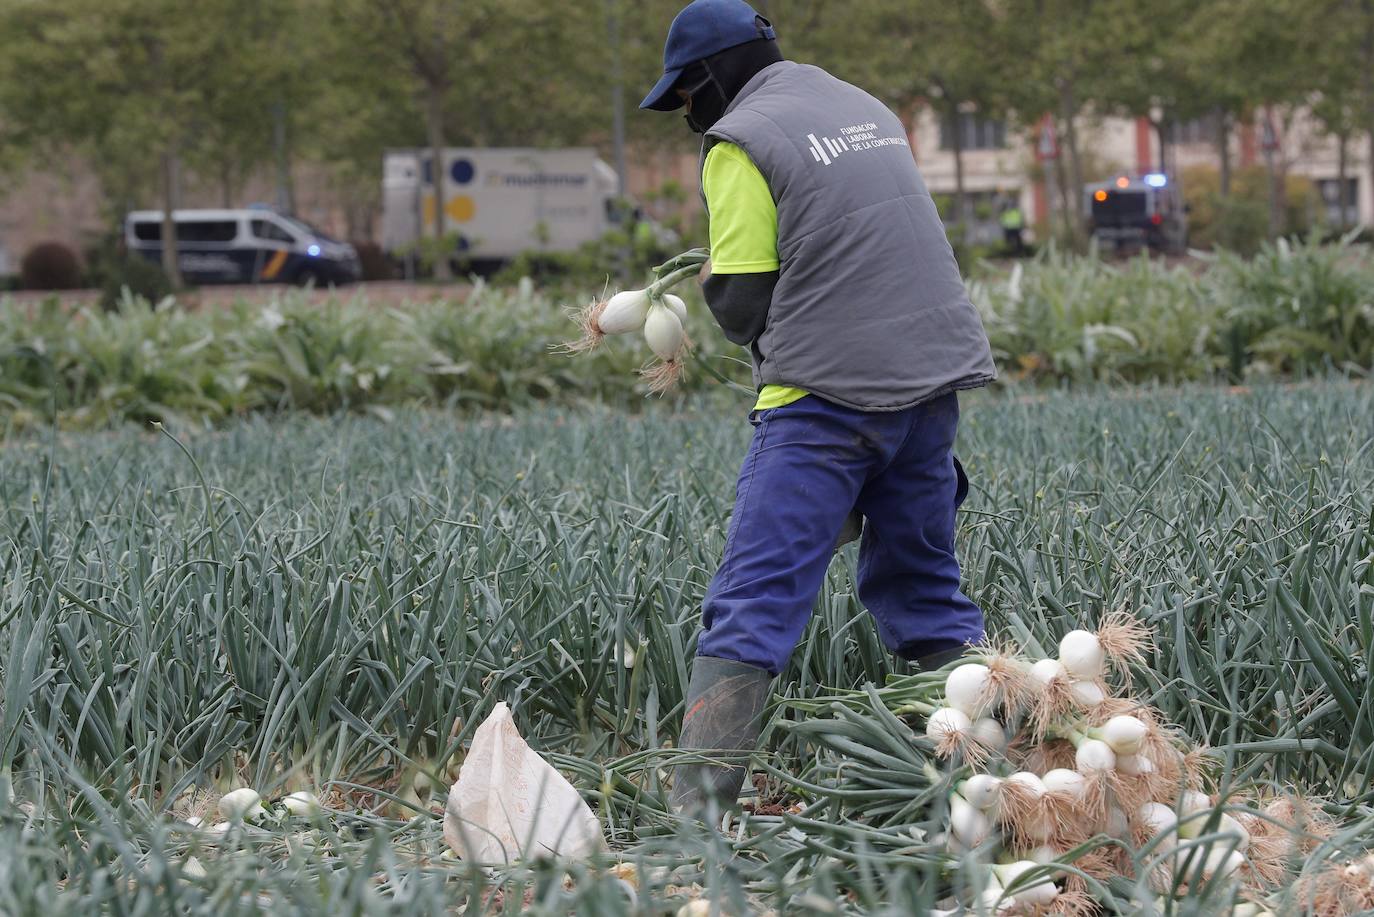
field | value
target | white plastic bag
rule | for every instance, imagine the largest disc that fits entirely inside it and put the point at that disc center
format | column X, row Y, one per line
column 509, row 803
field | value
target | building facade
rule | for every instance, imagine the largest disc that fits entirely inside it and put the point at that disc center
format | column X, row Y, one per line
column 61, row 200
column 1002, row 165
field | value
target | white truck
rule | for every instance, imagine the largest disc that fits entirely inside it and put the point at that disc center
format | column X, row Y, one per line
column 498, row 202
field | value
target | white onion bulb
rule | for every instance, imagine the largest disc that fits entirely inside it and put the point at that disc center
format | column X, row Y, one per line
column 624, row 312
column 1029, row 781
column 677, row 305
column 992, row 901
column 1095, row 757
column 1192, row 807
column 1221, row 862
column 1081, row 653
column 663, row 331
column 1193, row 802
column 966, row 688
column 1047, row 670
column 947, row 722
column 241, row 805
column 1116, row 824
column 968, row 824
column 1125, row 734
column 1087, row 693
column 1040, row 893
column 1231, row 826
column 982, row 791
column 1065, row 782
column 1043, row 854
column 1134, row 765
column 990, row 734
column 303, row 804
column 1158, row 817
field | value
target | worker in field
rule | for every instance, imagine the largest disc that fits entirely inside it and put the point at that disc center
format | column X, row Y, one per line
column 830, row 263
column 1014, row 228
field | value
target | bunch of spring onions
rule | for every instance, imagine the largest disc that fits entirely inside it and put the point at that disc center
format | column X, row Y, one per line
column 1048, row 761
column 657, row 313
column 245, row 806
column 1055, row 759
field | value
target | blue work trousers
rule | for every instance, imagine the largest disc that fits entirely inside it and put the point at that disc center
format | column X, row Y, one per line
column 812, row 462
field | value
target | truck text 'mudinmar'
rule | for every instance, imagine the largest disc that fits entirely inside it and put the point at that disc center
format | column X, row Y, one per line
column 498, row 202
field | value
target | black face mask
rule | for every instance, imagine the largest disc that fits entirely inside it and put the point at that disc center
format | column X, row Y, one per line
column 715, row 82
column 708, row 103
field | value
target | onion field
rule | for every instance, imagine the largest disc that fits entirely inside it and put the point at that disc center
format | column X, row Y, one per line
column 334, row 604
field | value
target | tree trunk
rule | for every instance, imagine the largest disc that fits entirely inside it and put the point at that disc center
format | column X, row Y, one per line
column 1224, row 151
column 170, row 265
column 1068, row 202
column 281, row 144
column 960, row 192
column 1276, row 195
column 1277, row 187
column 1068, row 109
column 1165, row 137
column 435, row 111
column 1342, row 170
column 1367, row 8
column 226, row 183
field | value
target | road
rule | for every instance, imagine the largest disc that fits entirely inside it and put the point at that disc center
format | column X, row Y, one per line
column 382, row 293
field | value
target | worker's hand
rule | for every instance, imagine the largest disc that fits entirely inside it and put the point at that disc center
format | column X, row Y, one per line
column 705, row 274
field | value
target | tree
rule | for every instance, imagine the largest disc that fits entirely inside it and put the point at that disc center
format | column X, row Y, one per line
column 476, row 72
column 1063, row 51
column 128, row 81
column 1337, row 80
column 1360, row 14
column 936, row 53
column 1253, row 48
column 425, row 38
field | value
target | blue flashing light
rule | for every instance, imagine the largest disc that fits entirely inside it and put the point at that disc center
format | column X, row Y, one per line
column 1156, row 180
column 314, row 251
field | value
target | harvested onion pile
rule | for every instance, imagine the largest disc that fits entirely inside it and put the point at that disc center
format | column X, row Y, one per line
column 1058, row 787
column 660, row 315
column 1055, row 760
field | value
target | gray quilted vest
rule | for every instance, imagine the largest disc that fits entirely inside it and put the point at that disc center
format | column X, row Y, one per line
column 870, row 309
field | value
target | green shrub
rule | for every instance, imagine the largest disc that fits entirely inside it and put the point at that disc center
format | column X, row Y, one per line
column 1240, row 221
column 591, row 266
column 50, row 266
column 136, row 276
column 147, row 361
column 119, row 274
column 1296, row 310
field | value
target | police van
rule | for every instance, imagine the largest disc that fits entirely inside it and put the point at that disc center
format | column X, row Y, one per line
column 251, row 245
column 1129, row 213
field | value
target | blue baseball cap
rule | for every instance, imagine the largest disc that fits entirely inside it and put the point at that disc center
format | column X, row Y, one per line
column 704, row 28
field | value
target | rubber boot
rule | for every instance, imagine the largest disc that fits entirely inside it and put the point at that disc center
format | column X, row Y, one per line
column 939, row 660
column 724, row 714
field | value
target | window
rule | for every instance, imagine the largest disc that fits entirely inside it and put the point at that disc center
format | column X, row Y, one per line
column 1330, row 189
column 271, row 232
column 975, row 133
column 148, row 232
column 207, row 231
column 1195, row 130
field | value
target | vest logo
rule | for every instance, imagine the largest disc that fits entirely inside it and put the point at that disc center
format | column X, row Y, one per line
column 853, row 139
column 836, row 148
